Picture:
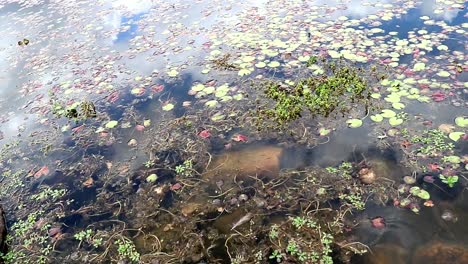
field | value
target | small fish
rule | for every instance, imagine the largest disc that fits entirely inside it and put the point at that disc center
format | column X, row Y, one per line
column 243, row 220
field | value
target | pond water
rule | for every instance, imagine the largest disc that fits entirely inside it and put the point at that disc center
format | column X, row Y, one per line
column 211, row 131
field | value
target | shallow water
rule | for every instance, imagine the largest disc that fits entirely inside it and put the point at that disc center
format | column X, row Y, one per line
column 138, row 63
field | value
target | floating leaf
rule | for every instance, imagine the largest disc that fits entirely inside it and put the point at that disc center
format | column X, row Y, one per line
column 394, row 121
column 152, row 178
column 172, row 73
column 423, row 194
column 419, row 66
column 443, row 74
column 273, row 64
column 243, row 72
column 218, row 117
column 209, row 90
column 387, row 113
column 393, row 98
column 354, row 123
column 238, row 96
column 199, row 87
column 147, row 122
column 376, row 95
column 324, row 131
column 455, row 136
column 168, row 107
column 461, row 121
column 111, row 124
column 211, row 103
column 377, row 118
column 334, row 54
column 260, row 64
column 398, row 106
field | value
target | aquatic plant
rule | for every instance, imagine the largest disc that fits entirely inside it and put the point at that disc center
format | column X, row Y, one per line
column 341, row 87
column 450, row 180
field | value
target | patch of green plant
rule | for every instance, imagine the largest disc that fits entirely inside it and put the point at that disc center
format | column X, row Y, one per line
column 431, row 142
column 11, row 181
column 449, row 180
column 185, row 169
column 337, row 90
column 28, row 243
column 88, row 236
column 49, row 194
column 76, row 111
column 277, row 255
column 354, row 199
column 149, row 163
column 126, row 250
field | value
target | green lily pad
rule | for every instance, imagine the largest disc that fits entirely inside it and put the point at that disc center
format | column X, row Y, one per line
column 211, row 103
column 168, row 107
column 273, row 64
column 199, row 87
column 377, row 118
column 260, row 64
column 209, row 90
column 461, row 121
column 392, row 98
column 152, row 178
column 112, row 124
column 398, row 106
column 455, row 136
column 443, row 74
column 387, row 113
column 354, row 123
column 172, row 73
column 218, row 117
column 324, row 131
column 419, row 66
column 376, row 95
column 238, row 96
column 423, row 194
column 244, row 72
column 394, row 121
column 334, row 54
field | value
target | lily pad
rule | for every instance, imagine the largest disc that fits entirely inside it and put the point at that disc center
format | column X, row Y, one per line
column 398, row 106
column 273, row 64
column 377, row 118
column 461, row 121
column 260, row 64
column 443, row 74
column 324, row 131
column 168, row 107
column 218, row 117
column 387, row 113
column 455, row 136
column 211, row 103
column 152, row 178
column 419, row 66
column 394, row 121
column 112, row 124
column 354, row 123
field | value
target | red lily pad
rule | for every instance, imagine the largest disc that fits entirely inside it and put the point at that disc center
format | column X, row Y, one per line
column 378, row 222
column 42, row 172
column 205, row 133
column 239, row 138
column 176, row 187
column 438, row 96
